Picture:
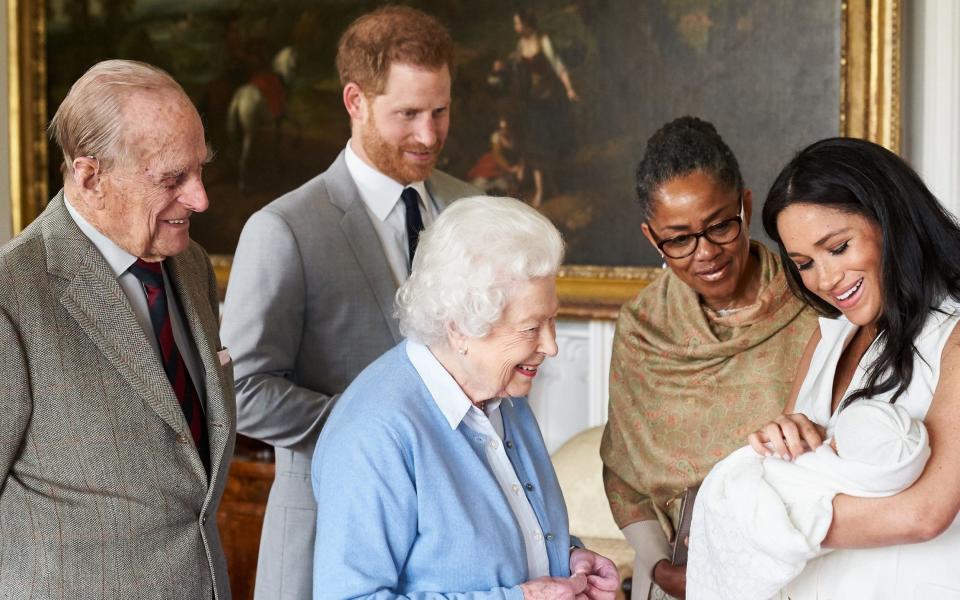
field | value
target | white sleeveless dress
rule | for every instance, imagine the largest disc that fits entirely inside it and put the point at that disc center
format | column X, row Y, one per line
column 928, row 571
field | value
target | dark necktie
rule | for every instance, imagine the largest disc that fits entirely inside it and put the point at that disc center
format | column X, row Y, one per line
column 411, row 200
column 151, row 276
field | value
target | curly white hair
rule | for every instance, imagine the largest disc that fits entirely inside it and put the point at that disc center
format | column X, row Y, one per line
column 468, row 262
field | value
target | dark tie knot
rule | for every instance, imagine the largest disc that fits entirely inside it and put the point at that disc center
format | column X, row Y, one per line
column 149, row 273
column 413, row 218
column 411, row 199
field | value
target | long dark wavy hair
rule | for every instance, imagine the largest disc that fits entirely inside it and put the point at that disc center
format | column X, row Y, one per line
column 920, row 259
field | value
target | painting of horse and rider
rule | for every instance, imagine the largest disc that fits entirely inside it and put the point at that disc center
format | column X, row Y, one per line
column 553, row 100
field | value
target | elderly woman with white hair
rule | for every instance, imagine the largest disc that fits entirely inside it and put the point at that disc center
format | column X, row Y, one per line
column 431, row 477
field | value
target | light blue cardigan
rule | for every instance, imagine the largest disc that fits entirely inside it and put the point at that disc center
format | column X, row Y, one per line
column 407, row 507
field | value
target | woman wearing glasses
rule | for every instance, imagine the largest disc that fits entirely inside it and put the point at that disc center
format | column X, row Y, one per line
column 703, row 355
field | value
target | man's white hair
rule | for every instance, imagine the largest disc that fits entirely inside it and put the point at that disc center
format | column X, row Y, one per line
column 467, row 264
column 88, row 121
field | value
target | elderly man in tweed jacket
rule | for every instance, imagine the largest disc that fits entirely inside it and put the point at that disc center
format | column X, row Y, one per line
column 118, row 410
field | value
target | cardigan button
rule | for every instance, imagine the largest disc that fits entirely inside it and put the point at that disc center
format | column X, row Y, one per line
column 548, row 537
column 529, row 487
column 508, row 444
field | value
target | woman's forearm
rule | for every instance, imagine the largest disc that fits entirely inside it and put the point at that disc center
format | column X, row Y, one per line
column 906, row 518
column 650, row 546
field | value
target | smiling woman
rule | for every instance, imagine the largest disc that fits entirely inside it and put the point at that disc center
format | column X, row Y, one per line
column 431, row 474
column 841, row 266
column 868, row 246
column 702, row 355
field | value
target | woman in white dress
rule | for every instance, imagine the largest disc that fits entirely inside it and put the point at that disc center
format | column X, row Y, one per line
column 867, row 245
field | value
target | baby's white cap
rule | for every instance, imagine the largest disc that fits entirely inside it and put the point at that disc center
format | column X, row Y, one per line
column 877, row 433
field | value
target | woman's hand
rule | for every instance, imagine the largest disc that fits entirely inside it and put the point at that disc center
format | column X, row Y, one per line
column 603, row 580
column 670, row 578
column 556, row 588
column 789, row 435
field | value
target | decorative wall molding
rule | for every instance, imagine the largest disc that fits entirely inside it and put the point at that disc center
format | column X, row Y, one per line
column 571, row 390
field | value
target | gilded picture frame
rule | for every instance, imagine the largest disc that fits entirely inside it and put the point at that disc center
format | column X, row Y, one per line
column 869, row 107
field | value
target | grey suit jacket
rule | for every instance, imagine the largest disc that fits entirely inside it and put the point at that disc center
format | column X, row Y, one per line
column 103, row 492
column 309, row 305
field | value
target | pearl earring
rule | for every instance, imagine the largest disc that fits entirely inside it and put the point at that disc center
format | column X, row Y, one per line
column 462, row 351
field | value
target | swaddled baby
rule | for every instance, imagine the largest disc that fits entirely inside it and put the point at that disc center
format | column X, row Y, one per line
column 877, row 433
column 758, row 520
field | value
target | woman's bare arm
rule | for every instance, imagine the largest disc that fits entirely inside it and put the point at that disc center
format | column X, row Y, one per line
column 930, row 505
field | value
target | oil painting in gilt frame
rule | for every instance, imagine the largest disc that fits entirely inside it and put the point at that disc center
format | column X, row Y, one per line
column 560, row 124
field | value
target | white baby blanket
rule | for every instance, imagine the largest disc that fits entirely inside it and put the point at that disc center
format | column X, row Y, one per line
column 757, row 521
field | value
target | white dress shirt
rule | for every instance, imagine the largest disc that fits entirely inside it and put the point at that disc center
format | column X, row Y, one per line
column 381, row 196
column 120, row 261
column 457, row 408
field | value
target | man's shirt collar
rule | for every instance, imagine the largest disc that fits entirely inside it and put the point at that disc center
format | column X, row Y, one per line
column 448, row 395
column 119, row 259
column 379, row 192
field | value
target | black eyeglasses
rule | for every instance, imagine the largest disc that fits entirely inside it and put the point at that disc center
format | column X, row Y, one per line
column 682, row 246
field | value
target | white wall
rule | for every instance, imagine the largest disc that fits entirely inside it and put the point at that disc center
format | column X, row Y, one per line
column 571, row 390
column 931, row 98
column 6, row 217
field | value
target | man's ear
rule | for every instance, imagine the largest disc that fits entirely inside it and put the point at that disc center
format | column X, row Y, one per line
column 355, row 101
column 86, row 179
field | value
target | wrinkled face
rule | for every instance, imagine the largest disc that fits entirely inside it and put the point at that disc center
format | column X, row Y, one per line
column 404, row 128
column 148, row 198
column 690, row 204
column 839, row 257
column 506, row 360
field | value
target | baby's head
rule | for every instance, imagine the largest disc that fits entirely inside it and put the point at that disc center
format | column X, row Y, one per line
column 876, row 433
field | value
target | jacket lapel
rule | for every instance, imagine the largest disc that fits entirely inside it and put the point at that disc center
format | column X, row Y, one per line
column 439, row 194
column 363, row 239
column 96, row 302
column 187, row 282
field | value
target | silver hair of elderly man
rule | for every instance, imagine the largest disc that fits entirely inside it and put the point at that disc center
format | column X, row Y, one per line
column 467, row 262
column 86, row 122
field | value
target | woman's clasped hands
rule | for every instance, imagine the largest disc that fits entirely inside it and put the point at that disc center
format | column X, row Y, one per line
column 593, row 577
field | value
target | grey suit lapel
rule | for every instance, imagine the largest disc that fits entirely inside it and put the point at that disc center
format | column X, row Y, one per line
column 197, row 316
column 439, row 193
column 97, row 303
column 363, row 239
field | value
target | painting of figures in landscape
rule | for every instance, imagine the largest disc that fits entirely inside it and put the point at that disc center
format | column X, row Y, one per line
column 553, row 99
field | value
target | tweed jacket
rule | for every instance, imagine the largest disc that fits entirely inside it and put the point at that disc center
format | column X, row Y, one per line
column 104, row 495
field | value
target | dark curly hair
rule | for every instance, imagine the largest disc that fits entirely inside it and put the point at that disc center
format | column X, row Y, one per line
column 680, row 147
column 921, row 242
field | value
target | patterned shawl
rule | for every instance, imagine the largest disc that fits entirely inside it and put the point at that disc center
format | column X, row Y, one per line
column 687, row 386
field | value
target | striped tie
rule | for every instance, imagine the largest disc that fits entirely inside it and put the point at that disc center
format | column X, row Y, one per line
column 151, row 277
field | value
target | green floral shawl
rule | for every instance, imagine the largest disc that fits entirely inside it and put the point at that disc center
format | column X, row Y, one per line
column 687, row 386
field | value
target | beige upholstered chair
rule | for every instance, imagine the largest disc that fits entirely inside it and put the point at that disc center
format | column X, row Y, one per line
column 579, row 470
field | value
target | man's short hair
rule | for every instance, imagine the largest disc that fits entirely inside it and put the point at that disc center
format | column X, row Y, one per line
column 391, row 34
column 87, row 122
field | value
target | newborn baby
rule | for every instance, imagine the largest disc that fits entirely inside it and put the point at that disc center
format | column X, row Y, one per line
column 877, row 433
column 758, row 520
